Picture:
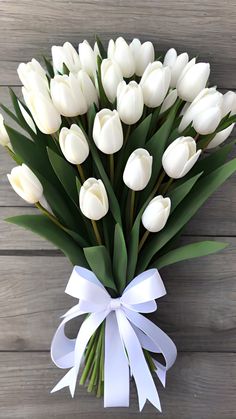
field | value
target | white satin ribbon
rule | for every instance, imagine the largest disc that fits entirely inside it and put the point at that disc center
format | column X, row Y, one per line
column 127, row 333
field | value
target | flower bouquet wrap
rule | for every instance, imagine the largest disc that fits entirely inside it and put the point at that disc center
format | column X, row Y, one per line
column 117, row 148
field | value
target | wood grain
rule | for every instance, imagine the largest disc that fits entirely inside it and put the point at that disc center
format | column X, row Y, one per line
column 200, row 385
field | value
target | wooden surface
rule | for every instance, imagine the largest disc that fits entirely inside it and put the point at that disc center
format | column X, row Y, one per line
column 199, row 311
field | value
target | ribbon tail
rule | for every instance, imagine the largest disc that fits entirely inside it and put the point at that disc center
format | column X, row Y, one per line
column 160, row 371
column 69, row 380
column 144, row 382
column 116, row 368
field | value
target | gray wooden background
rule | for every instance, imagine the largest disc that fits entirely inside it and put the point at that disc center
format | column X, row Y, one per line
column 199, row 311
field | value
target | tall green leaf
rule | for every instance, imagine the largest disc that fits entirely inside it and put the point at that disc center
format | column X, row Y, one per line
column 99, row 261
column 119, row 258
column 44, row 227
column 189, row 251
column 180, row 192
column 189, row 206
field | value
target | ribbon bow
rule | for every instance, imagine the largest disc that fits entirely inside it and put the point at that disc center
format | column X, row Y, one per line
column 127, row 333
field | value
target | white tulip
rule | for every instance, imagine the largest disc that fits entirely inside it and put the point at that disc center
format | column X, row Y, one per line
column 87, row 58
column 45, row 115
column 192, row 80
column 176, row 63
column 229, row 104
column 129, row 102
column 138, row 170
column 4, row 138
column 67, row 55
column 26, row 184
column 87, row 87
column 29, row 121
column 155, row 83
column 220, row 137
column 205, row 112
column 96, row 51
column 33, row 76
column 93, row 199
column 180, row 157
column 111, row 77
column 120, row 52
column 67, row 95
column 156, row 214
column 143, row 55
column 73, row 144
column 107, row 131
column 169, row 101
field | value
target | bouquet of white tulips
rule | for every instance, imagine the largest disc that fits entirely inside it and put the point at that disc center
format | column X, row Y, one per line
column 115, row 156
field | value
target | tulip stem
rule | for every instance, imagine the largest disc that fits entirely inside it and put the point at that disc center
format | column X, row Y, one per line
column 111, row 161
column 167, row 185
column 49, row 215
column 162, row 175
column 127, row 134
column 143, row 239
column 132, row 204
column 81, row 172
column 96, row 232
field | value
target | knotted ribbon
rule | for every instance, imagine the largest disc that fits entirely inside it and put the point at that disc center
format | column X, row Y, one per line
column 127, row 333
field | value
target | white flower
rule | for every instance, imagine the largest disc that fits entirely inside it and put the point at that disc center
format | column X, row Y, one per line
column 93, row 199
column 29, row 121
column 67, row 55
column 156, row 214
column 87, row 58
column 229, row 103
column 87, row 87
column 107, row 131
column 33, row 76
column 45, row 115
column 73, row 144
column 111, row 77
column 67, row 95
column 138, row 170
column 176, row 63
column 26, row 184
column 129, row 102
column 120, row 52
column 169, row 100
column 143, row 55
column 220, row 137
column 192, row 80
column 205, row 112
column 4, row 138
column 180, row 157
column 155, row 83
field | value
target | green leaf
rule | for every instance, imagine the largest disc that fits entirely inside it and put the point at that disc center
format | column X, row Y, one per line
column 49, row 67
column 44, row 227
column 10, row 113
column 189, row 251
column 21, row 119
column 188, row 207
column 119, row 258
column 99, row 261
column 101, row 47
column 179, row 193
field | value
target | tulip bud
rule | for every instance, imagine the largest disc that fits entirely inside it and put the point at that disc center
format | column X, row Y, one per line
column 29, row 121
column 155, row 215
column 229, row 104
column 87, row 87
column 4, row 139
column 107, row 131
column 67, row 95
column 180, row 157
column 87, row 58
column 65, row 55
column 169, row 101
column 205, row 112
column 45, row 115
column 93, row 199
column 129, row 102
column 155, row 83
column 220, row 137
column 120, row 52
column 176, row 63
column 192, row 80
column 73, row 144
column 33, row 76
column 111, row 77
column 138, row 170
column 26, row 184
column 96, row 51
column 143, row 55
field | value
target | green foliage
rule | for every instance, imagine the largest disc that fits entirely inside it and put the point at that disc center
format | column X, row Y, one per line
column 99, row 261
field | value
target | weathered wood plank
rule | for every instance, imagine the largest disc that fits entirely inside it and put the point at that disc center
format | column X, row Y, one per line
column 192, row 26
column 199, row 311
column 194, row 390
